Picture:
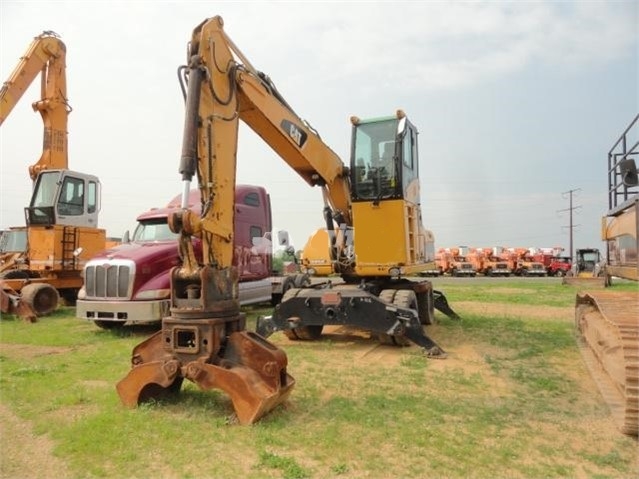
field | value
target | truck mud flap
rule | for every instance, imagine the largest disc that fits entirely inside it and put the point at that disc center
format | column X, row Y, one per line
column 248, row 368
column 308, row 308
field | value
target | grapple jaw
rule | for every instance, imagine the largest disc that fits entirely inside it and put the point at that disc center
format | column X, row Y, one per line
column 213, row 350
column 252, row 371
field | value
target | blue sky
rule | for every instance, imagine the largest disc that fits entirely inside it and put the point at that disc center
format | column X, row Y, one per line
column 516, row 103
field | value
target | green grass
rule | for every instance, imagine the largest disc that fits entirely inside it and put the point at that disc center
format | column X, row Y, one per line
column 514, row 408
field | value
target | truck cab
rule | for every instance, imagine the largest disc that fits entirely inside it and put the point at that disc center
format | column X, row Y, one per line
column 130, row 283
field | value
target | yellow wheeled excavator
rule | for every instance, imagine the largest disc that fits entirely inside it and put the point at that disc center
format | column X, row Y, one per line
column 607, row 321
column 374, row 238
column 44, row 260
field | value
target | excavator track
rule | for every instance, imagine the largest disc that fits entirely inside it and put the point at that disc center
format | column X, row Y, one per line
column 607, row 325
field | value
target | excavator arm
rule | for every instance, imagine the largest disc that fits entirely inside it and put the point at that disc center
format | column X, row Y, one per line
column 205, row 338
column 222, row 89
column 45, row 56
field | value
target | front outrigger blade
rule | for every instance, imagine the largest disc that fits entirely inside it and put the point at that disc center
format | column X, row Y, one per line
column 216, row 353
column 305, row 311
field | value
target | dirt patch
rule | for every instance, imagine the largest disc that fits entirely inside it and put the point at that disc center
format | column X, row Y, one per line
column 29, row 351
column 549, row 313
column 26, row 455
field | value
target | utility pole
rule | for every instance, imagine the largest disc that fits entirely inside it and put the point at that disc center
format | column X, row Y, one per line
column 570, row 209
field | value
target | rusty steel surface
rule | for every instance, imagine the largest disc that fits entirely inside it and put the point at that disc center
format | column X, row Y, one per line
column 248, row 368
column 608, row 326
column 205, row 341
column 11, row 303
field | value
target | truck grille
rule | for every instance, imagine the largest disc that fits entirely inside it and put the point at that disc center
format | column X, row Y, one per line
column 109, row 279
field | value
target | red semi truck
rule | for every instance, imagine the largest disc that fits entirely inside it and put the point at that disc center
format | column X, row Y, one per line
column 130, row 283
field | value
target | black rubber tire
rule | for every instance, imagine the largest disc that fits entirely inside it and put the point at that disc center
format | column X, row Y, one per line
column 289, row 283
column 41, row 297
column 69, row 295
column 401, row 298
column 404, row 298
column 426, row 307
column 309, row 333
column 15, row 274
column 108, row 325
column 387, row 295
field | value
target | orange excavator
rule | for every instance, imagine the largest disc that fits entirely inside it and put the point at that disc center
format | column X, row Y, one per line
column 204, row 339
column 43, row 261
column 607, row 320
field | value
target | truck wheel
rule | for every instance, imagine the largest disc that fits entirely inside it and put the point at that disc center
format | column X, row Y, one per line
column 560, row 273
column 109, row 324
column 43, row 298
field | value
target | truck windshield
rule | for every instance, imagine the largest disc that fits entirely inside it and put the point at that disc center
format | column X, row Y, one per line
column 154, row 230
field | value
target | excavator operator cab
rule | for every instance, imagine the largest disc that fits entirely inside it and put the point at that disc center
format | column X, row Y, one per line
column 384, row 158
column 64, row 197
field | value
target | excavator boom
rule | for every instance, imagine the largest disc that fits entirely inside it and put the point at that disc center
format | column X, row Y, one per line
column 46, row 56
column 205, row 338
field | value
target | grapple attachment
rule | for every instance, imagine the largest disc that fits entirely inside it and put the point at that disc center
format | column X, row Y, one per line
column 214, row 353
column 251, row 370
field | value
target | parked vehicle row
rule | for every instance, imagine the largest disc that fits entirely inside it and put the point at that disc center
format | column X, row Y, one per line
column 464, row 261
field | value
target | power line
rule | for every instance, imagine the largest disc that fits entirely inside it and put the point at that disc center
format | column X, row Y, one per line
column 570, row 209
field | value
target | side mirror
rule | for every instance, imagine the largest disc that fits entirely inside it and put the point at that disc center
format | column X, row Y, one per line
column 125, row 237
column 628, row 172
column 282, row 238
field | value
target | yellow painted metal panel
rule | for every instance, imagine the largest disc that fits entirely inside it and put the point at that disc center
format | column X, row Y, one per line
column 384, row 230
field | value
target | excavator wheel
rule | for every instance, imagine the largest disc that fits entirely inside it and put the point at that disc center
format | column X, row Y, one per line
column 404, row 298
column 399, row 297
column 302, row 280
column 309, row 333
column 42, row 298
column 425, row 308
column 289, row 283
